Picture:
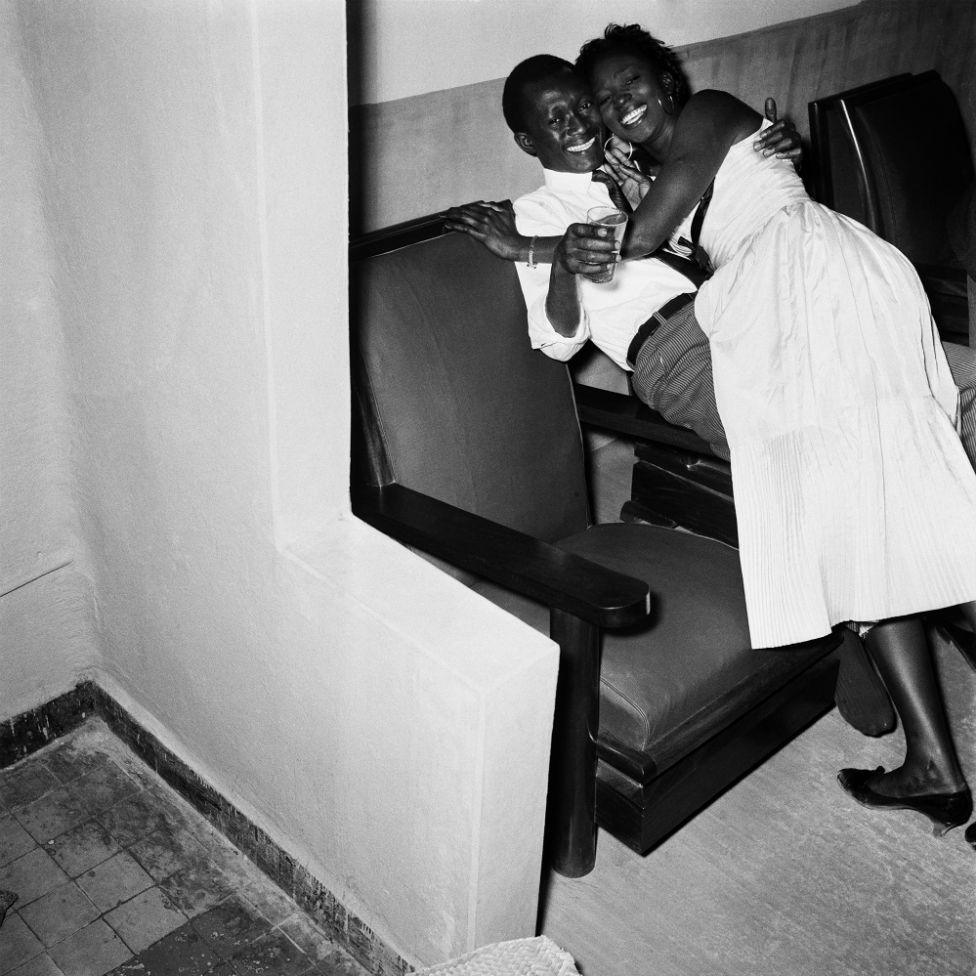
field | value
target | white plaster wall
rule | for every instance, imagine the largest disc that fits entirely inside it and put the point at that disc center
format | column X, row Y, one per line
column 407, row 47
column 381, row 722
column 47, row 628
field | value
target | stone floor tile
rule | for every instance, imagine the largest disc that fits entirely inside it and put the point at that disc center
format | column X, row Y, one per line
column 217, row 847
column 306, row 935
column 329, row 957
column 223, row 969
column 136, row 768
column 81, row 848
column 267, row 897
column 51, row 815
column 338, row 963
column 92, row 951
column 14, row 840
column 103, row 787
column 31, row 876
column 17, row 943
column 72, row 758
column 231, row 926
column 133, row 818
column 23, row 784
column 42, row 965
column 197, row 888
column 181, row 953
column 273, row 955
column 145, row 919
column 59, row 913
column 165, row 851
column 131, row 967
column 114, row 881
column 177, row 811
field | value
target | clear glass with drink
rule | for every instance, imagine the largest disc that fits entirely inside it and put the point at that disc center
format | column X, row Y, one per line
column 616, row 220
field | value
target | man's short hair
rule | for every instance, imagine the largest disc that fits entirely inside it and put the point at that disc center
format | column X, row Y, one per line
column 529, row 72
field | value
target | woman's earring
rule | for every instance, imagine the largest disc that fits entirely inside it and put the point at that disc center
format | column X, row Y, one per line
column 666, row 100
column 667, row 103
column 620, row 145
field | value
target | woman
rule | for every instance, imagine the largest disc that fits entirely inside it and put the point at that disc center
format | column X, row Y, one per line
column 854, row 497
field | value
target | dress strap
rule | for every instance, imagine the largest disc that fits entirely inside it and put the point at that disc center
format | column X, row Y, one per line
column 697, row 250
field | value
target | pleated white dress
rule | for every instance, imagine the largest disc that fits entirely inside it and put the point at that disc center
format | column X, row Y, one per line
column 855, row 499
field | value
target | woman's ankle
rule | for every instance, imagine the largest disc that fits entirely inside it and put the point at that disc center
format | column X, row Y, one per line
column 920, row 777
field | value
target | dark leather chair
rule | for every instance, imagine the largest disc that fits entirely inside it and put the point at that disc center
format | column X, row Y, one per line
column 467, row 447
column 895, row 156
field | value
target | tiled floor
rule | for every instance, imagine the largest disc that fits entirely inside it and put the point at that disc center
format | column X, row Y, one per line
column 116, row 874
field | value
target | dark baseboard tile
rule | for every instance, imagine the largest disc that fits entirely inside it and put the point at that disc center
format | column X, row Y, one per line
column 30, row 731
column 34, row 729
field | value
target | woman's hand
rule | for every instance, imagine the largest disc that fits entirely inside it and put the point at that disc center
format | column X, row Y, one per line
column 493, row 224
column 781, row 139
column 630, row 179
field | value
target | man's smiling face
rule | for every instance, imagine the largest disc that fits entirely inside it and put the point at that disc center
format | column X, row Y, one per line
column 563, row 127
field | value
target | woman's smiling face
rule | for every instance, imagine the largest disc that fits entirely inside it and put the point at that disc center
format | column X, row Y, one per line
column 628, row 94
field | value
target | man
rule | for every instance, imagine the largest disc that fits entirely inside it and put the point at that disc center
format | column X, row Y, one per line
column 644, row 320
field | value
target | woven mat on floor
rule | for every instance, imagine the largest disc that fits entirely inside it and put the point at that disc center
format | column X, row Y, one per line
column 523, row 957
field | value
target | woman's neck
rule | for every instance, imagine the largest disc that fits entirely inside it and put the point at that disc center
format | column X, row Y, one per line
column 659, row 145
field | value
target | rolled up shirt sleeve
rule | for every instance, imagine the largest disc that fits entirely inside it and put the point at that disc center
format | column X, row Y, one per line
column 534, row 220
column 542, row 336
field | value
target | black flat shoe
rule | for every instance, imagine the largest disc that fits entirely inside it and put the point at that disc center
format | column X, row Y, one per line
column 970, row 835
column 945, row 810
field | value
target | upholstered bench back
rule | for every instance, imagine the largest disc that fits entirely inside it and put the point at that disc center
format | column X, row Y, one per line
column 442, row 321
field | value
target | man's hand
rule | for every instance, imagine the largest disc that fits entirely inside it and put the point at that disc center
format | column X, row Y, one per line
column 493, row 224
column 587, row 250
column 780, row 139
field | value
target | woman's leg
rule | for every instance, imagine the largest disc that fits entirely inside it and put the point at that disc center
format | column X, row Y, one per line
column 901, row 653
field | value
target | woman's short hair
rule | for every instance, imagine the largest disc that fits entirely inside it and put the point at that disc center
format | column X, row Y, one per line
column 633, row 39
column 531, row 71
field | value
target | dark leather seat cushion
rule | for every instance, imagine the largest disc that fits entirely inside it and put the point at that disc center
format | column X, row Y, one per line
column 691, row 670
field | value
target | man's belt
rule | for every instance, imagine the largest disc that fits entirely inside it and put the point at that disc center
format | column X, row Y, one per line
column 665, row 312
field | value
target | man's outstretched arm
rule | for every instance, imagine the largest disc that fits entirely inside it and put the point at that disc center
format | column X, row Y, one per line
column 493, row 224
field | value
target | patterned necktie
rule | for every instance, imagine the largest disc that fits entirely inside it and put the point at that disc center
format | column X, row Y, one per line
column 617, row 197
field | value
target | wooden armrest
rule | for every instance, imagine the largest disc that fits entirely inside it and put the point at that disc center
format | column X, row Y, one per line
column 625, row 414
column 538, row 570
column 399, row 235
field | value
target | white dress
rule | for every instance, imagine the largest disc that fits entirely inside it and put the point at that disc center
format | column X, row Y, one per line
column 855, row 499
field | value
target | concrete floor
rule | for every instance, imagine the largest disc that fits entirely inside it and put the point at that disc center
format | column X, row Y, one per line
column 784, row 874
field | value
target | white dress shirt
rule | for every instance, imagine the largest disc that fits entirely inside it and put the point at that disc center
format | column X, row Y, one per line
column 612, row 312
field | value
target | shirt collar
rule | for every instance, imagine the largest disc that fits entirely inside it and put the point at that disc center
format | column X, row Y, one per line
column 567, row 182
